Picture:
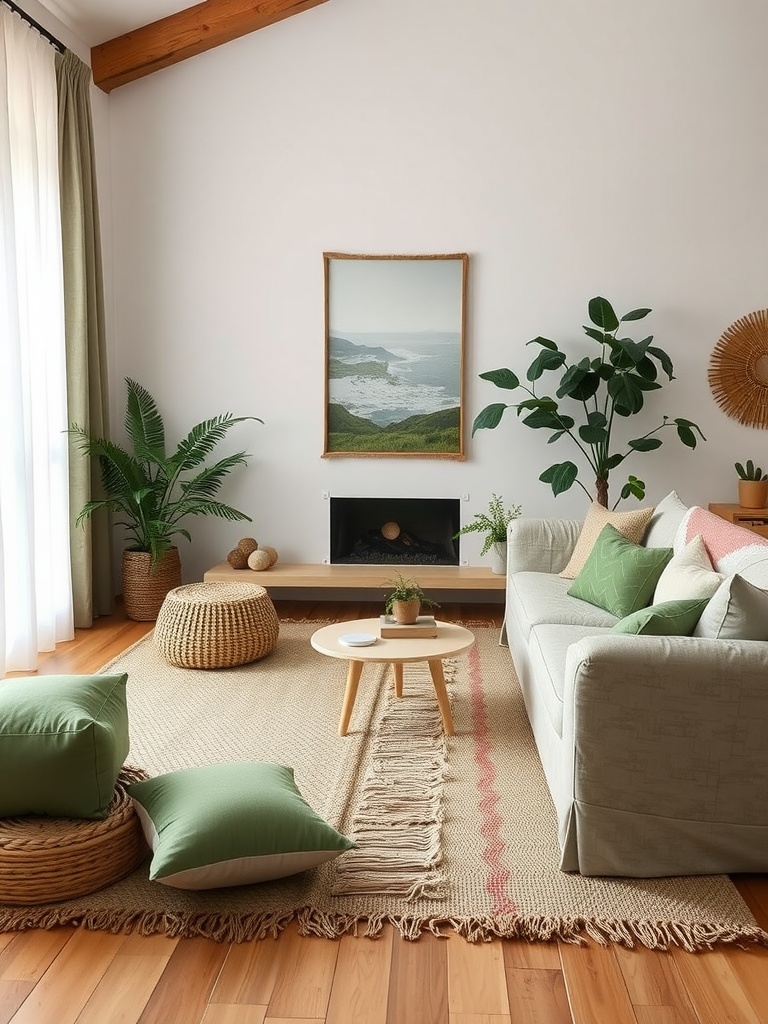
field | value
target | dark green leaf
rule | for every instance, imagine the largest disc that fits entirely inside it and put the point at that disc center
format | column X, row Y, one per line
column 561, row 476
column 545, row 402
column 545, row 360
column 601, row 313
column 544, row 342
column 544, row 418
column 613, row 461
column 647, row 368
column 627, row 396
column 595, row 429
column 635, row 314
column 489, row 418
column 597, row 335
column 579, row 383
column 663, row 358
column 556, row 436
column 143, row 423
column 683, row 424
column 645, row 444
column 502, row 379
column 634, row 487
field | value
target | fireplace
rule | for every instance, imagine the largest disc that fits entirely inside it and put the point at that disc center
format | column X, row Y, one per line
column 394, row 531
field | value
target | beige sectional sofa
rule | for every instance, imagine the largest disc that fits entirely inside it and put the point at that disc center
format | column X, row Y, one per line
column 655, row 748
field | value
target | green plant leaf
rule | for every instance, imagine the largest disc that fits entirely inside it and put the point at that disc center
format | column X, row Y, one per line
column 634, row 487
column 645, row 444
column 143, row 423
column 595, row 430
column 740, row 470
column 544, row 342
column 544, row 402
column 664, row 360
column 687, row 430
column 202, row 439
column 502, row 379
column 546, row 418
column 601, row 313
column 561, row 476
column 635, row 314
column 489, row 417
column 545, row 360
column 596, row 335
column 647, row 368
column 636, row 350
column 627, row 396
column 556, row 436
column 613, row 461
column 579, row 382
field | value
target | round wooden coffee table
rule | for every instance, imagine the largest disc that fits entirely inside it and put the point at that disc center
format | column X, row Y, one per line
column 450, row 640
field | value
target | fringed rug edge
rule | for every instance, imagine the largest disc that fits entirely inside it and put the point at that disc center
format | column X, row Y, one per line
column 655, row 935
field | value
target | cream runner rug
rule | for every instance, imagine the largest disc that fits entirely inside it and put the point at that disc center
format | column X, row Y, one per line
column 454, row 833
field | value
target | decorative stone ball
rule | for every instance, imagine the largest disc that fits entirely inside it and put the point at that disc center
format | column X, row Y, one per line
column 237, row 559
column 258, row 560
column 390, row 531
column 247, row 545
column 271, row 552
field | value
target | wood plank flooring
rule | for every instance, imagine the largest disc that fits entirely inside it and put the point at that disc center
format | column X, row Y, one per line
column 71, row 976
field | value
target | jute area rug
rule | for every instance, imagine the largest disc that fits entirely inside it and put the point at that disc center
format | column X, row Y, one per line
column 454, row 833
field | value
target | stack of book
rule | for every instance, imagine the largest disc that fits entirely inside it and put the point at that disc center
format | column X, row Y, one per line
column 424, row 626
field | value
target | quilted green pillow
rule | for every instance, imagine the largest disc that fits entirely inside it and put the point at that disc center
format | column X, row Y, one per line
column 63, row 740
column 231, row 824
column 618, row 575
column 669, row 618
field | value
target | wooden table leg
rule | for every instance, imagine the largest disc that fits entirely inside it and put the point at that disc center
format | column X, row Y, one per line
column 438, row 680
column 397, row 666
column 353, row 678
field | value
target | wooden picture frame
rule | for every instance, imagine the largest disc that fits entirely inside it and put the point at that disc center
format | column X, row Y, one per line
column 395, row 331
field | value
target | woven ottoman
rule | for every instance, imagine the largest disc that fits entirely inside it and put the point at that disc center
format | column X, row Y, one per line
column 216, row 625
column 44, row 860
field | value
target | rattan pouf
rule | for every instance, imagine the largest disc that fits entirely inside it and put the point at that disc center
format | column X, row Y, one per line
column 216, row 625
column 43, row 860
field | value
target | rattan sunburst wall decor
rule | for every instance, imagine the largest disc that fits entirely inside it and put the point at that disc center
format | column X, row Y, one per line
column 738, row 370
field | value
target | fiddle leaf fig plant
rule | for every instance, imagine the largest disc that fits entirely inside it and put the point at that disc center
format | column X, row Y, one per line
column 588, row 397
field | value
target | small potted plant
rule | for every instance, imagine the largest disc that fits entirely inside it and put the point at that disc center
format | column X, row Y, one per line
column 405, row 599
column 493, row 524
column 753, row 485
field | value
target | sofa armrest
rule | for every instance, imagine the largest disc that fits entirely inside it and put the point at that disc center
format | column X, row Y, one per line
column 672, row 728
column 540, row 545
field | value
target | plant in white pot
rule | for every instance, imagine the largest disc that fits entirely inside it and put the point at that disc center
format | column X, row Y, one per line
column 493, row 523
column 151, row 492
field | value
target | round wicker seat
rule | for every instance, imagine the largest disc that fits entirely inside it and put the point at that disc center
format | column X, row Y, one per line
column 216, row 625
column 43, row 860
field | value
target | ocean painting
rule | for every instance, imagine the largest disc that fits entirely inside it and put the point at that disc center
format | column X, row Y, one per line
column 394, row 348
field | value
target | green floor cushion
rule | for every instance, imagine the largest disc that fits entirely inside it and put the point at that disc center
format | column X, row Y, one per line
column 618, row 575
column 231, row 824
column 63, row 740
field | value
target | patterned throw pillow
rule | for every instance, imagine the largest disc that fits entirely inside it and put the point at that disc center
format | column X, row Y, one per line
column 618, row 575
column 631, row 525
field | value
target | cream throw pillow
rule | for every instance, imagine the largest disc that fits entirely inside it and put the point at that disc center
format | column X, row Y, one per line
column 688, row 575
column 631, row 525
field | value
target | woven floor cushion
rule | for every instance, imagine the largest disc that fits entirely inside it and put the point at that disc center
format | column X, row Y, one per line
column 216, row 625
column 43, row 860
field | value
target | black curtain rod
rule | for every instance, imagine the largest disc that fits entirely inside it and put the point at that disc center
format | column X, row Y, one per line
column 36, row 25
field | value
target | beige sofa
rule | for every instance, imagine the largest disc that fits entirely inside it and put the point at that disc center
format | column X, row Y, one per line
column 655, row 748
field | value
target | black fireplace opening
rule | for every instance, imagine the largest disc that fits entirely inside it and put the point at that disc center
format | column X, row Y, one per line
column 394, row 531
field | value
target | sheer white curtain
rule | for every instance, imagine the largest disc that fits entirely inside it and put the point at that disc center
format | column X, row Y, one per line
column 35, row 586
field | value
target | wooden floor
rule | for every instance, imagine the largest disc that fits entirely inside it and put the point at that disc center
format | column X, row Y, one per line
column 71, row 975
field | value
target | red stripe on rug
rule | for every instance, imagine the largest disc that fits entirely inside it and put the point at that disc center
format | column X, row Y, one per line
column 497, row 882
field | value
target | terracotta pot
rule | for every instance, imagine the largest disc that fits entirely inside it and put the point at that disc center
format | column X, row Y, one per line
column 144, row 587
column 406, row 612
column 753, row 493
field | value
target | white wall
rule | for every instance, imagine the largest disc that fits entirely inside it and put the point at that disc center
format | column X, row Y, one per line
column 573, row 149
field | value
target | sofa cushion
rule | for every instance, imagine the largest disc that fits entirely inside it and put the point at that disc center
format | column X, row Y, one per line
column 688, row 575
column 737, row 611
column 670, row 618
column 537, row 597
column 665, row 522
column 631, row 525
column 618, row 575
column 731, row 548
column 547, row 647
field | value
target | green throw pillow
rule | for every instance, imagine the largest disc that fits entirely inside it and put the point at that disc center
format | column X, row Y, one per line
column 669, row 618
column 618, row 575
column 231, row 824
column 63, row 740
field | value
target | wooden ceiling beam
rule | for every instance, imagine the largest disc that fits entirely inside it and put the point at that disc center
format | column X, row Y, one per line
column 192, row 31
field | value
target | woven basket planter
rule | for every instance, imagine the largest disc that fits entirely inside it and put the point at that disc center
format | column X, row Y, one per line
column 43, row 860
column 216, row 625
column 145, row 588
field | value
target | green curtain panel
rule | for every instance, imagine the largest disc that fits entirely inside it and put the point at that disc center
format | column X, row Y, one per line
column 91, row 546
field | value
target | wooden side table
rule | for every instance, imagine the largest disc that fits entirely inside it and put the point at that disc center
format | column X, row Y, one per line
column 755, row 519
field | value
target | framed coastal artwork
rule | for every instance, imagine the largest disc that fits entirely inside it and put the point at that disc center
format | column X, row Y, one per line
column 394, row 355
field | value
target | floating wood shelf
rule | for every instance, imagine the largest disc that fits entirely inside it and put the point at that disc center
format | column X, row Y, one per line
column 338, row 577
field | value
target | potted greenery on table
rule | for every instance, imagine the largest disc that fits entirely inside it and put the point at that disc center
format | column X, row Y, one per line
column 405, row 600
column 151, row 492
column 753, row 485
column 611, row 383
column 493, row 523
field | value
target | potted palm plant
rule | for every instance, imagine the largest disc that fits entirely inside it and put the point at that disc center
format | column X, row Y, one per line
column 152, row 492
column 493, row 524
column 405, row 599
